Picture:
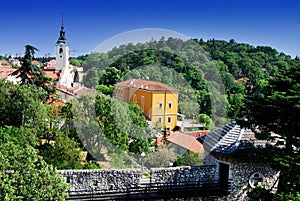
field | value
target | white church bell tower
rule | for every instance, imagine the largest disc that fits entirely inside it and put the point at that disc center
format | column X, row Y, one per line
column 67, row 71
column 62, row 50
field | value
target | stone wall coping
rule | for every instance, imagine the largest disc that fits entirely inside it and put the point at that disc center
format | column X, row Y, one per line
column 183, row 167
column 101, row 170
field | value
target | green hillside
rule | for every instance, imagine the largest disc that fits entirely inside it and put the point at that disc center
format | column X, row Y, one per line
column 242, row 68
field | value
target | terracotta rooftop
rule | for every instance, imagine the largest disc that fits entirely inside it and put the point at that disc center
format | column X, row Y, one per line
column 197, row 133
column 76, row 90
column 35, row 62
column 52, row 74
column 5, row 64
column 81, row 91
column 50, row 64
column 186, row 141
column 69, row 89
column 55, row 101
column 5, row 71
column 146, row 85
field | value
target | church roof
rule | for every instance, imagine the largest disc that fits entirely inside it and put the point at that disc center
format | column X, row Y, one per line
column 231, row 137
column 62, row 35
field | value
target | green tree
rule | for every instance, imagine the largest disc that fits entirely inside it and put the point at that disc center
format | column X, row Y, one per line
column 63, row 152
column 19, row 104
column 140, row 145
column 190, row 159
column 76, row 62
column 24, row 174
column 110, row 76
column 139, row 131
column 68, row 126
column 136, row 114
column 276, row 108
column 207, row 121
column 91, row 78
column 107, row 90
column 32, row 74
column 163, row 157
column 48, row 121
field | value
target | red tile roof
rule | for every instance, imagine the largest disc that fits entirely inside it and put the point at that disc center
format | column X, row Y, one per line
column 50, row 64
column 77, row 91
column 52, row 74
column 159, row 141
column 55, row 101
column 197, row 133
column 81, row 91
column 5, row 71
column 5, row 64
column 186, row 141
column 146, row 85
column 35, row 62
column 60, row 86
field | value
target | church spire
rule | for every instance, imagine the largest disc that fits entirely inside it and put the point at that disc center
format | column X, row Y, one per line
column 62, row 37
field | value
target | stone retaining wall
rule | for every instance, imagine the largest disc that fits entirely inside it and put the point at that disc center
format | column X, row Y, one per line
column 177, row 175
column 83, row 181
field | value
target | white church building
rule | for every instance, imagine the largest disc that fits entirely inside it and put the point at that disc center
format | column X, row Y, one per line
column 61, row 70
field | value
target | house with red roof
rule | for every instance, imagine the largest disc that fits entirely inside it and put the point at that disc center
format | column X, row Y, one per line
column 5, row 64
column 181, row 142
column 14, row 62
column 5, row 72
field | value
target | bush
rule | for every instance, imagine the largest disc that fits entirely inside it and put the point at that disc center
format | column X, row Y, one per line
column 260, row 193
column 190, row 159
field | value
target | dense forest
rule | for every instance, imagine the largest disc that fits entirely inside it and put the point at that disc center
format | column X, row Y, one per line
column 217, row 79
column 192, row 66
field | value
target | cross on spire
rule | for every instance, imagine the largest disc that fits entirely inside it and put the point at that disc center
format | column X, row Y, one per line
column 62, row 37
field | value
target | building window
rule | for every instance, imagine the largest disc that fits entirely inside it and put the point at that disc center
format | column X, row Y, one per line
column 169, row 119
column 159, row 120
column 143, row 102
column 160, row 105
column 134, row 97
column 169, row 105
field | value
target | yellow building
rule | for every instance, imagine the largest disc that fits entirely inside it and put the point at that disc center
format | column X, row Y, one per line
column 159, row 101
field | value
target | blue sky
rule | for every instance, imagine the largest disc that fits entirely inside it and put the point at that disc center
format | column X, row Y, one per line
column 89, row 23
